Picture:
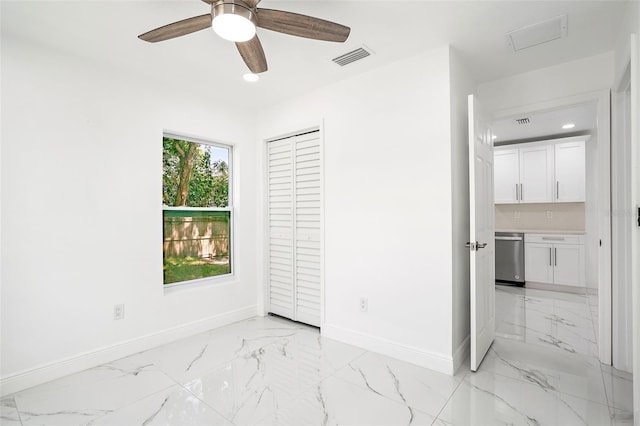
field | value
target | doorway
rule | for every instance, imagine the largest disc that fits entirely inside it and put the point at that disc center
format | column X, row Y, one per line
column 594, row 110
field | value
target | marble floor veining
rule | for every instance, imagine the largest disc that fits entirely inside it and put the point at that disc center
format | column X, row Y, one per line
column 541, row 370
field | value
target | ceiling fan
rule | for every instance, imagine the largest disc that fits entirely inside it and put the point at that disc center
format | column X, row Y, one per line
column 236, row 20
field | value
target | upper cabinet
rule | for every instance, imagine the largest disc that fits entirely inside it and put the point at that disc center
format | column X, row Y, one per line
column 536, row 173
column 506, row 175
column 570, row 172
column 540, row 172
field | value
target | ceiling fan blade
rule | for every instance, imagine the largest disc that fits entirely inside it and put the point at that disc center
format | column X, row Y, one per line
column 177, row 29
column 253, row 55
column 302, row 25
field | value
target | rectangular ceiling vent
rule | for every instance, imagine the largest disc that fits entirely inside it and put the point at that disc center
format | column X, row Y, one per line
column 352, row 56
column 522, row 120
column 539, row 33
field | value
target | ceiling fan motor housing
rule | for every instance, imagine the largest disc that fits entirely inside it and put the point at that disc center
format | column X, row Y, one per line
column 233, row 7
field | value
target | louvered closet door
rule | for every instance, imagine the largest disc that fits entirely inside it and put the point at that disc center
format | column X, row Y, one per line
column 307, row 228
column 281, row 276
column 295, row 227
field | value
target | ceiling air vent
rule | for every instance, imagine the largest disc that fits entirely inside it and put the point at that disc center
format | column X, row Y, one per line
column 352, row 56
column 539, row 33
column 522, row 120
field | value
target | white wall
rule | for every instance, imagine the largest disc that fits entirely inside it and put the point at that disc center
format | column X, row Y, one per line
column 81, row 215
column 388, row 218
column 461, row 86
column 545, row 84
column 631, row 24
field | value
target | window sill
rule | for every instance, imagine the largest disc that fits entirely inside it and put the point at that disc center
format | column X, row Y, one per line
column 199, row 283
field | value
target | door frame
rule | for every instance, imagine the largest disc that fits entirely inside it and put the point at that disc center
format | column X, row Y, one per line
column 603, row 100
column 263, row 248
column 635, row 200
column 621, row 209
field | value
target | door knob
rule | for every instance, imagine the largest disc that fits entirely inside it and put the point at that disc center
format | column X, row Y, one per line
column 475, row 246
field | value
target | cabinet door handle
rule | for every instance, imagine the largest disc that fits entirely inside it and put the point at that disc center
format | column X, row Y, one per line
column 517, row 193
column 550, row 263
column 555, row 256
column 521, row 193
column 557, row 190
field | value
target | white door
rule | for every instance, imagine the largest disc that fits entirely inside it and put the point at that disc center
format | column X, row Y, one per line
column 506, row 175
column 307, row 228
column 536, row 174
column 482, row 233
column 538, row 262
column 570, row 172
column 294, row 197
column 280, row 282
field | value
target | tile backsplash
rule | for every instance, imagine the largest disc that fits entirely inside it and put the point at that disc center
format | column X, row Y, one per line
column 543, row 217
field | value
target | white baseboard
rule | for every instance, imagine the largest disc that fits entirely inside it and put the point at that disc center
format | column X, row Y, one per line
column 461, row 354
column 73, row 364
column 556, row 287
column 417, row 356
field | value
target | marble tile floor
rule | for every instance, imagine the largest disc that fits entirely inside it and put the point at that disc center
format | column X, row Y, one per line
column 541, row 370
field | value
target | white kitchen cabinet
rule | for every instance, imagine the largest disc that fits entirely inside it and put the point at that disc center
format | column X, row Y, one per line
column 538, row 262
column 569, row 265
column 555, row 259
column 506, row 175
column 540, row 172
column 536, row 173
column 523, row 174
column 570, row 172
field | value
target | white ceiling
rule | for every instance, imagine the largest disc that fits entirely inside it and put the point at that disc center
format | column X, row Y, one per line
column 547, row 123
column 106, row 32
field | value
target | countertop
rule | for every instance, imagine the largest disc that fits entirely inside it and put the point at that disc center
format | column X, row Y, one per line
column 542, row 231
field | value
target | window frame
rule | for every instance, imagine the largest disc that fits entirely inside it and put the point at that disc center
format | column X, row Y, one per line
column 230, row 197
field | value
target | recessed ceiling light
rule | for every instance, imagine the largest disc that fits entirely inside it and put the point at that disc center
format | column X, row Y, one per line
column 251, row 77
column 494, row 137
column 568, row 126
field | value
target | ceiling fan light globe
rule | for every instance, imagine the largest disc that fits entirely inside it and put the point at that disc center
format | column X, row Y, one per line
column 233, row 27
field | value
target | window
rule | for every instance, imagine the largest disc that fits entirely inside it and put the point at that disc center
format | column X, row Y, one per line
column 196, row 209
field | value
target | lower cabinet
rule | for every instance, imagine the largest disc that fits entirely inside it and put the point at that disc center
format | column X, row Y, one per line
column 554, row 259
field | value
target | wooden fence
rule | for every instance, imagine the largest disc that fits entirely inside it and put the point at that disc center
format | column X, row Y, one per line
column 202, row 234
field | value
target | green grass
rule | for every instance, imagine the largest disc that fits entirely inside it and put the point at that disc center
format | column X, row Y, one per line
column 177, row 269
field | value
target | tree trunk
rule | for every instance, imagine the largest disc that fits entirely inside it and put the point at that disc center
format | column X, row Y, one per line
column 186, row 164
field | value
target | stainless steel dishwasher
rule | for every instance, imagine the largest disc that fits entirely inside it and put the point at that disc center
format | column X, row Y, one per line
column 510, row 257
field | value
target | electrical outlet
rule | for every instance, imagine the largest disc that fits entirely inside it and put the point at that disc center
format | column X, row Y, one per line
column 118, row 312
column 549, row 214
column 364, row 304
